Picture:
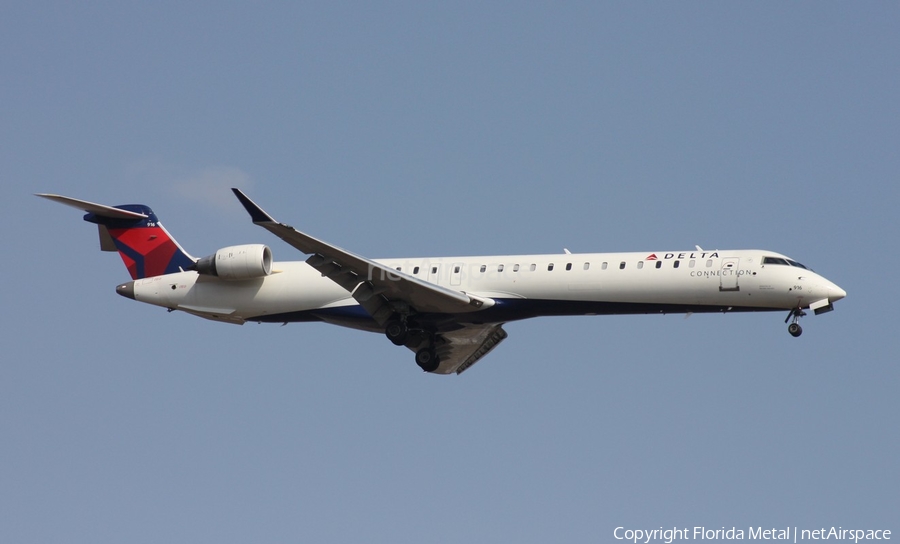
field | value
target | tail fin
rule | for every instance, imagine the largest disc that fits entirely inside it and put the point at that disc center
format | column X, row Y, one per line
column 133, row 230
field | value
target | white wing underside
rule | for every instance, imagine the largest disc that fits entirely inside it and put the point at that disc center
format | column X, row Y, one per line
column 463, row 348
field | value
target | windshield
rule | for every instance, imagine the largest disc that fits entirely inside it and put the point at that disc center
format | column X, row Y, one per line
column 784, row 262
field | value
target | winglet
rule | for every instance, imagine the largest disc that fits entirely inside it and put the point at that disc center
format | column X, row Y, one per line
column 256, row 213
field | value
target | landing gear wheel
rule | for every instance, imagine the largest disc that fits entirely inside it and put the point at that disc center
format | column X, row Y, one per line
column 427, row 359
column 794, row 317
column 397, row 332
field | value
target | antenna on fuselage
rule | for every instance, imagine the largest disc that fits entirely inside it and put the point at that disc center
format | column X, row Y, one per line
column 699, row 248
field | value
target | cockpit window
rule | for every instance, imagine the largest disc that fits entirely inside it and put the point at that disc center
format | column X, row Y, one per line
column 784, row 262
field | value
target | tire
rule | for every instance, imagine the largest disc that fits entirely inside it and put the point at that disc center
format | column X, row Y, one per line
column 397, row 332
column 427, row 360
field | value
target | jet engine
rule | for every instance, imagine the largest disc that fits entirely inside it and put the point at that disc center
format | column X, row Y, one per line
column 237, row 262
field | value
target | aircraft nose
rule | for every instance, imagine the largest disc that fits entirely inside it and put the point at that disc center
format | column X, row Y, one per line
column 835, row 293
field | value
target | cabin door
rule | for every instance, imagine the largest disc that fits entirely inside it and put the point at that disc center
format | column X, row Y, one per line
column 728, row 276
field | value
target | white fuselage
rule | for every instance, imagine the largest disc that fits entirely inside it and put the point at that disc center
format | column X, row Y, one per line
column 517, row 287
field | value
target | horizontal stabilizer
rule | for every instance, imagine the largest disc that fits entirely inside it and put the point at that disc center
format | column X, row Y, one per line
column 96, row 209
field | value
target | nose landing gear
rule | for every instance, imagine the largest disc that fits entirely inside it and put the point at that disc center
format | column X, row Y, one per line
column 794, row 316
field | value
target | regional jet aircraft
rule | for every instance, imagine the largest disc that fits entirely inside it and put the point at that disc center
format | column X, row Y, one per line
column 449, row 311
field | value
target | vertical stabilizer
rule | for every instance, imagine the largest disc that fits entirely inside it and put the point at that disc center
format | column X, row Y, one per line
column 134, row 231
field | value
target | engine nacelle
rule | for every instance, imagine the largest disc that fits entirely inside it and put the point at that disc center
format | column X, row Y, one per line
column 238, row 262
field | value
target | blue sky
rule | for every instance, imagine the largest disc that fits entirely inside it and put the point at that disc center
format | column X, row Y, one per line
column 411, row 129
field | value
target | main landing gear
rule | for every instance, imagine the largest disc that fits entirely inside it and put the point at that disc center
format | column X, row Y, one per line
column 794, row 328
column 399, row 332
column 427, row 359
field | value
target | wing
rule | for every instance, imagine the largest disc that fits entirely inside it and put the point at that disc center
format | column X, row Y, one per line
column 379, row 289
column 458, row 350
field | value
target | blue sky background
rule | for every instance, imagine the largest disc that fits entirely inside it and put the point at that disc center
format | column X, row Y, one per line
column 420, row 129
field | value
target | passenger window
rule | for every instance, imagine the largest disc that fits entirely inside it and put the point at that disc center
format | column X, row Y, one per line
column 456, row 270
column 587, row 265
column 640, row 265
column 603, row 266
column 434, row 270
column 416, row 270
column 658, row 264
column 398, row 269
column 691, row 263
column 533, row 267
column 675, row 264
column 550, row 267
column 515, row 268
column 622, row 265
column 708, row 263
column 568, row 266
column 483, row 268
column 500, row 268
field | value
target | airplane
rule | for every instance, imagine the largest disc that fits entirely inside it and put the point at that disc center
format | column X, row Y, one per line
column 449, row 311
